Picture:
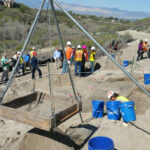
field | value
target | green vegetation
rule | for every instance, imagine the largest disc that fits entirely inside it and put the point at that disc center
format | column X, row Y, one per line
column 15, row 23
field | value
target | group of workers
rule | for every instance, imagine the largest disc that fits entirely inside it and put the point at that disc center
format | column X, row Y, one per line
column 143, row 47
column 77, row 56
column 26, row 60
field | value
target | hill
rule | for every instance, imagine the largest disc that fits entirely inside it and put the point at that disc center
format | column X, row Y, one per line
column 15, row 24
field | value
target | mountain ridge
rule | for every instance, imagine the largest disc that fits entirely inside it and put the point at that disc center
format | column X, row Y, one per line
column 98, row 11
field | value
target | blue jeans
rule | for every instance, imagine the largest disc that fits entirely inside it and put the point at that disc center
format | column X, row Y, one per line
column 77, row 64
column 20, row 66
column 114, row 56
column 72, row 60
column 33, row 72
column 64, row 69
column 92, row 66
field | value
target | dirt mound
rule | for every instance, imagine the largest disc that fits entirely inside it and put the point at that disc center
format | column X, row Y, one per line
column 41, row 140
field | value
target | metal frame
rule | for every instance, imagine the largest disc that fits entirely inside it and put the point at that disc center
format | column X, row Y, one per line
column 98, row 45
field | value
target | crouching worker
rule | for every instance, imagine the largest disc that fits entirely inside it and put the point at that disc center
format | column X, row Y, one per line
column 34, row 65
column 116, row 97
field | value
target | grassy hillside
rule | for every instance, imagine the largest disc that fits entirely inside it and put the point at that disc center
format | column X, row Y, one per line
column 15, row 24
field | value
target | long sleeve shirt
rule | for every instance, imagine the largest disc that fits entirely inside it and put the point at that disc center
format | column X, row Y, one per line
column 57, row 54
column 34, row 62
column 140, row 47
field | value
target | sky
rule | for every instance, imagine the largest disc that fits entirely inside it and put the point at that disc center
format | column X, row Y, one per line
column 130, row 5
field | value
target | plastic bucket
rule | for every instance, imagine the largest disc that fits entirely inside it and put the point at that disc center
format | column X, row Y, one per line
column 125, row 63
column 100, row 143
column 113, row 111
column 127, row 111
column 98, row 108
column 147, row 78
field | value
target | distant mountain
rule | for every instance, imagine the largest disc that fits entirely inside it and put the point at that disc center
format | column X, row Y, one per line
column 99, row 11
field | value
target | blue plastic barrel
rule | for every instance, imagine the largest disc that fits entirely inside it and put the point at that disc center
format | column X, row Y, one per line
column 127, row 111
column 98, row 108
column 113, row 111
column 100, row 143
column 147, row 78
column 125, row 63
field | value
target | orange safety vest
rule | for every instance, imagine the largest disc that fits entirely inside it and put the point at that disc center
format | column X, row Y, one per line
column 68, row 52
column 145, row 46
column 78, row 55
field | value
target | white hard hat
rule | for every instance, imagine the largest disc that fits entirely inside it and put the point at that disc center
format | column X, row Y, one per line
column 146, row 40
column 110, row 94
column 79, row 47
column 33, row 47
column 18, row 52
column 92, row 48
column 68, row 43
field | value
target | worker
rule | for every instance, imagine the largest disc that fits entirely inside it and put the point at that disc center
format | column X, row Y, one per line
column 68, row 51
column 33, row 50
column 5, row 67
column 20, row 65
column 115, row 97
column 58, row 58
column 72, row 55
column 84, row 59
column 26, row 60
column 34, row 65
column 140, row 51
column 78, row 60
column 92, row 58
column 145, row 47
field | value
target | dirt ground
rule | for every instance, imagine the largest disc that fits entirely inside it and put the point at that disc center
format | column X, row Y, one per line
column 73, row 134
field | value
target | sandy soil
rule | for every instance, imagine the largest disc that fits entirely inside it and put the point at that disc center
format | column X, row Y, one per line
column 72, row 134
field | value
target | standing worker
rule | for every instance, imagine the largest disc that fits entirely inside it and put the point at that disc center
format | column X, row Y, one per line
column 145, row 47
column 140, row 50
column 5, row 66
column 32, row 51
column 72, row 55
column 84, row 59
column 114, row 48
column 34, row 65
column 78, row 60
column 58, row 58
column 92, row 58
column 68, row 51
column 20, row 65
column 26, row 60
